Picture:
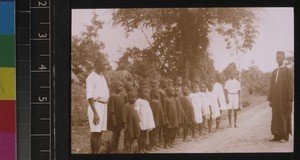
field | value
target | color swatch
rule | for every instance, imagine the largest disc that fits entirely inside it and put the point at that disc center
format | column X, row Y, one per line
column 7, row 80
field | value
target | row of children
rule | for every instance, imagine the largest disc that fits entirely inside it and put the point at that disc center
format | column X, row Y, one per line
column 160, row 110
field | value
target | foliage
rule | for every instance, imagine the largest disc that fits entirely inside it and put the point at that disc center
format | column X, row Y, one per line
column 87, row 47
column 257, row 81
column 180, row 36
column 138, row 62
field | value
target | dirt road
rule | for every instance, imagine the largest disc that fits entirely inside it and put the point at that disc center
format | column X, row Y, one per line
column 251, row 135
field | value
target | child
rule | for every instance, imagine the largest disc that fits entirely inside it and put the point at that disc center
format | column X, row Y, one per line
column 204, row 104
column 219, row 92
column 181, row 117
column 163, row 95
column 213, row 103
column 115, row 105
column 158, row 115
column 189, row 112
column 178, row 83
column 131, row 121
column 170, row 82
column 196, row 102
column 170, row 112
column 146, row 116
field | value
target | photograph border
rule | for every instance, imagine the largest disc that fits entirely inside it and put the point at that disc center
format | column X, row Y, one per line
column 62, row 64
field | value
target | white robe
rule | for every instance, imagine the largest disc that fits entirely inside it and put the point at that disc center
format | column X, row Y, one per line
column 195, row 100
column 213, row 102
column 219, row 92
column 204, row 104
column 145, row 114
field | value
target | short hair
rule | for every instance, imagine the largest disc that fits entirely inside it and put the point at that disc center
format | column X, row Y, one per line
column 280, row 53
column 133, row 92
column 100, row 59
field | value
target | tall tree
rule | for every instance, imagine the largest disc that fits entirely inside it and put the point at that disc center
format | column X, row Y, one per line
column 181, row 36
column 86, row 47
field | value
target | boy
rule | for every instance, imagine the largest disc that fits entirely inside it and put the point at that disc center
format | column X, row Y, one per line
column 146, row 116
column 131, row 121
column 181, row 117
column 115, row 105
column 204, row 103
column 170, row 112
column 158, row 115
column 189, row 112
column 196, row 102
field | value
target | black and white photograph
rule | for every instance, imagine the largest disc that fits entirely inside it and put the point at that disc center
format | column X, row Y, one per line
column 182, row 80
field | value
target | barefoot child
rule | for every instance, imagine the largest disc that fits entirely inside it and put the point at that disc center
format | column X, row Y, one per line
column 115, row 105
column 158, row 115
column 189, row 112
column 170, row 112
column 131, row 121
column 146, row 117
column 181, row 117
column 196, row 102
column 204, row 104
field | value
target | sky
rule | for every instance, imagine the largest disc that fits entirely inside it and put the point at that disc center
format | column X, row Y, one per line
column 276, row 32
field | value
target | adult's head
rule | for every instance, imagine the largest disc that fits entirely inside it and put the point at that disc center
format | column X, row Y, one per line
column 100, row 64
column 280, row 58
column 231, row 75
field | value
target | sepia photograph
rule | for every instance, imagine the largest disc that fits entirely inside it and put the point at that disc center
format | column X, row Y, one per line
column 182, row 80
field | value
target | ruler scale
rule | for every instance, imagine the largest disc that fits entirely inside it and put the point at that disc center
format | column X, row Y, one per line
column 34, row 66
column 40, row 80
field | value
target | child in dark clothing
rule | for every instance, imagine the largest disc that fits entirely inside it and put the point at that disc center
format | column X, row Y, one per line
column 115, row 106
column 181, row 117
column 131, row 121
column 170, row 112
column 189, row 112
column 158, row 115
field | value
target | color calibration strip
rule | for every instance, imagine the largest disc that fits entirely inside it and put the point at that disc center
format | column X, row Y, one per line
column 7, row 80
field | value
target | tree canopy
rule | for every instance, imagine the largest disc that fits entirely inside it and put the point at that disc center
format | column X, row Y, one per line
column 86, row 47
column 181, row 35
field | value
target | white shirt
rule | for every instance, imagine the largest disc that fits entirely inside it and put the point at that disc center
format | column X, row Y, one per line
column 232, row 86
column 96, row 87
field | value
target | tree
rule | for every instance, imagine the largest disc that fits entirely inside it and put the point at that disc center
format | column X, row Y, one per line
column 87, row 47
column 138, row 62
column 257, row 81
column 180, row 36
